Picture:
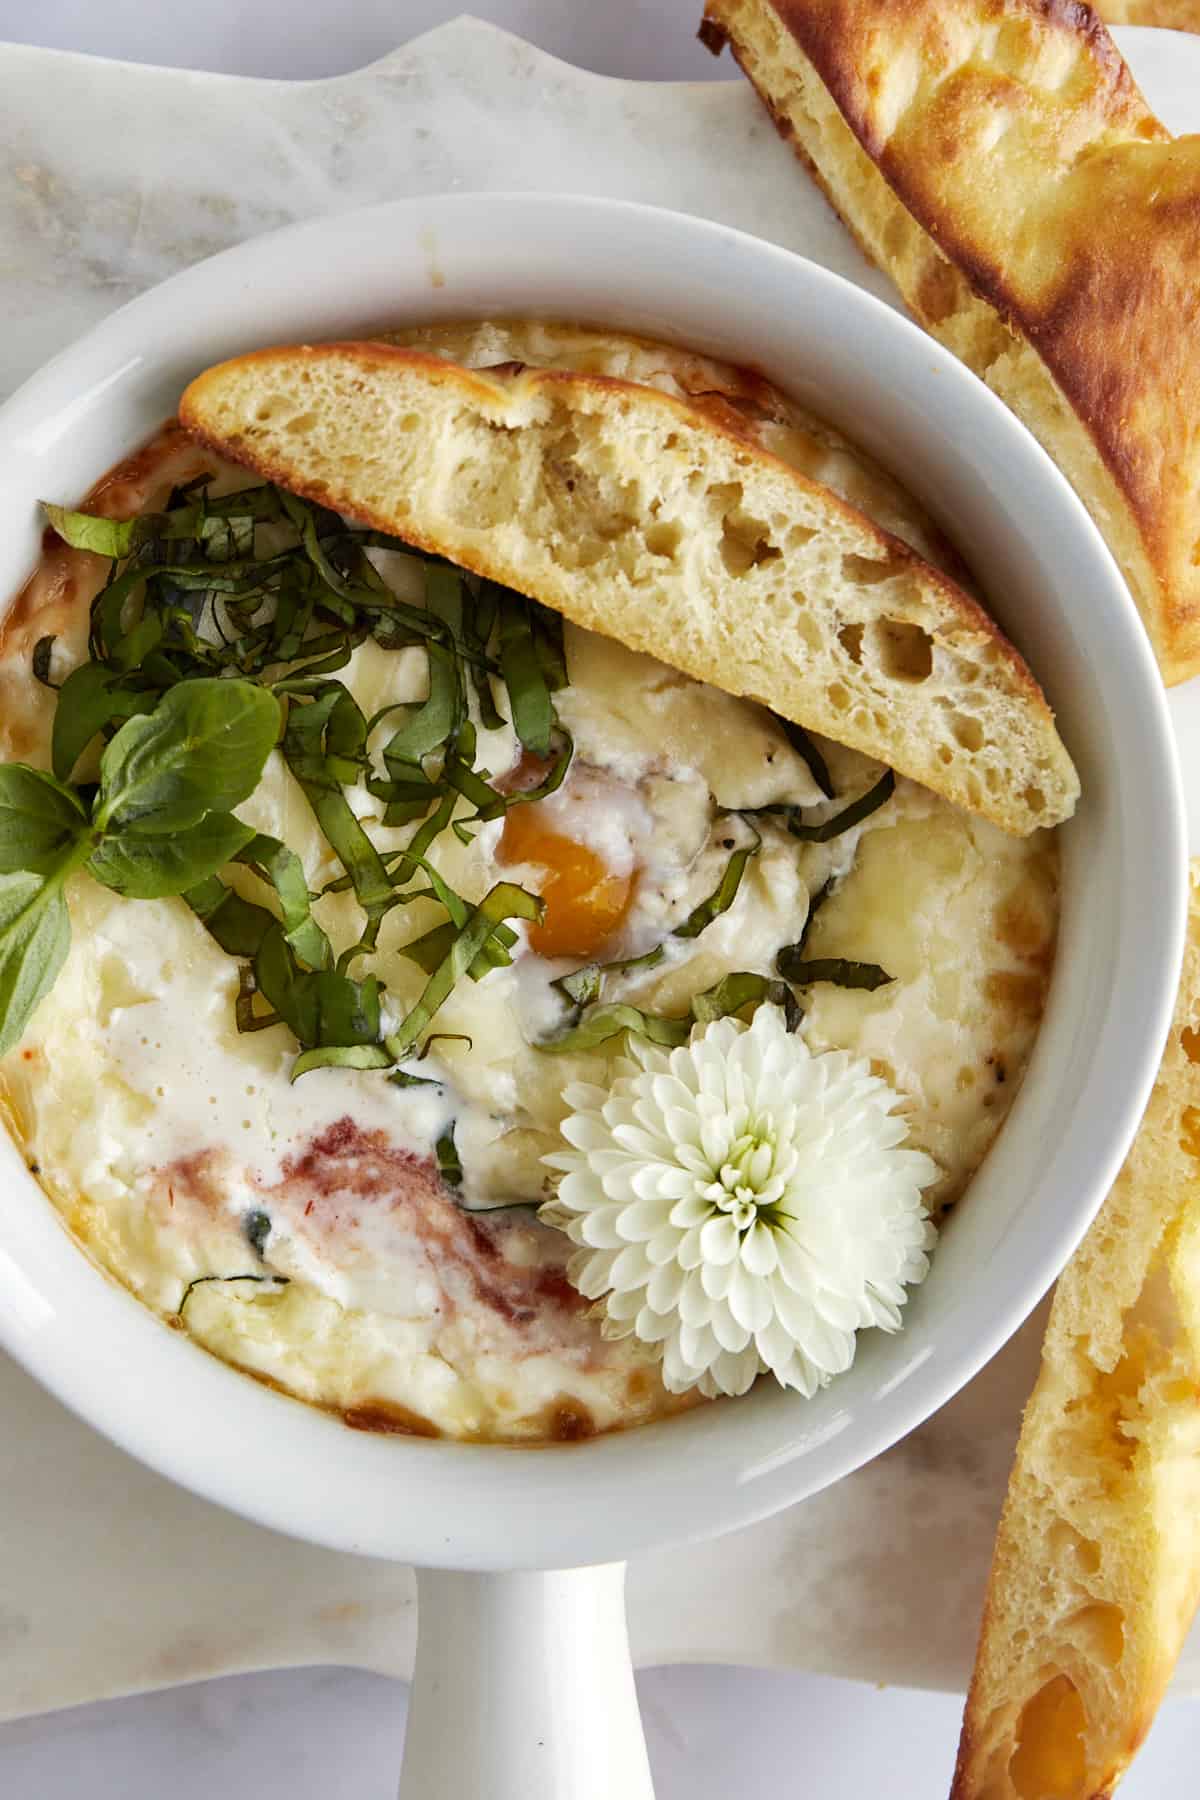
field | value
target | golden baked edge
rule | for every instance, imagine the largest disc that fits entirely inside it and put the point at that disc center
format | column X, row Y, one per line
column 1173, row 15
column 1096, row 1570
column 996, row 158
column 637, row 515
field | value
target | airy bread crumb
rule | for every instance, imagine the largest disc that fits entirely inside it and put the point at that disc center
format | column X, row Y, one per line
column 1096, row 1571
column 637, row 514
column 996, row 158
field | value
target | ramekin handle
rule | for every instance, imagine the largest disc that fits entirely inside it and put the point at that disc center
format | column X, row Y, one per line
column 523, row 1690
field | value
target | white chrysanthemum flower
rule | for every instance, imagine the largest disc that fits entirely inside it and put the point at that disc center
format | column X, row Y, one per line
column 743, row 1205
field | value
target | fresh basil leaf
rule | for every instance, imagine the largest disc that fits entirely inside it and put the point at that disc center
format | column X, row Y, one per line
column 304, row 517
column 479, row 621
column 807, row 751
column 836, row 969
column 149, row 868
column 528, row 693
column 852, row 815
column 322, row 746
column 282, row 868
column 601, row 1023
column 553, row 779
column 488, row 802
column 246, row 1015
column 435, row 824
column 402, row 1079
column 39, row 819
column 237, row 925
column 502, row 902
column 341, row 1056
column 201, row 750
column 740, row 989
column 547, row 627
column 815, row 903
column 583, row 986
column 429, row 725
column 431, row 950
column 91, row 698
column 114, row 538
column 320, row 1007
column 449, row 1165
column 35, row 935
column 720, row 901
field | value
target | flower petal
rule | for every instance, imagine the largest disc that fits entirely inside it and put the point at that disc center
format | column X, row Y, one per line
column 719, row 1239
column 759, row 1255
column 670, row 1176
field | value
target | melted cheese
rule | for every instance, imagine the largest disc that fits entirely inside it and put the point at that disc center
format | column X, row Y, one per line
column 167, row 1137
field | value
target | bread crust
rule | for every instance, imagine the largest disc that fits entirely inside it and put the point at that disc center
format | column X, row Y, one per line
column 728, row 392
column 1013, row 133
column 1096, row 1570
column 1174, row 15
column 507, row 408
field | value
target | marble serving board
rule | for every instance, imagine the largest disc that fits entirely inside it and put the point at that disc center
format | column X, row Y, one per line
column 113, row 176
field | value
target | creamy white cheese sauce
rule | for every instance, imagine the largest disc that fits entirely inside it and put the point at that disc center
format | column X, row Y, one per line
column 178, row 1147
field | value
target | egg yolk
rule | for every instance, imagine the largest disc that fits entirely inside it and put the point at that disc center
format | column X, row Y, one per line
column 585, row 901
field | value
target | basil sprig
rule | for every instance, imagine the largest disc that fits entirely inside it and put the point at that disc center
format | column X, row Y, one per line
column 732, row 994
column 195, row 601
column 157, row 824
column 208, row 645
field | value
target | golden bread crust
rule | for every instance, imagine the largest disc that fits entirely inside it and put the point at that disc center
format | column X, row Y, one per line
column 637, row 515
column 1096, row 1570
column 1050, row 198
column 1174, row 15
column 728, row 392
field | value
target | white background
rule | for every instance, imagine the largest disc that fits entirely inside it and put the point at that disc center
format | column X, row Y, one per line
column 337, row 1734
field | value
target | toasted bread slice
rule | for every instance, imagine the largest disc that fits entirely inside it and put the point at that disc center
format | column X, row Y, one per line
column 635, row 514
column 997, row 159
column 1096, row 1572
column 738, row 396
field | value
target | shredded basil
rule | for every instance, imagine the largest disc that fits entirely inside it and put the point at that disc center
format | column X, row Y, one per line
column 724, row 896
column 402, row 1079
column 449, row 1166
column 601, row 1023
column 502, row 902
column 208, row 646
column 852, row 815
column 524, row 675
column 736, row 991
column 582, row 986
column 836, row 969
column 807, row 750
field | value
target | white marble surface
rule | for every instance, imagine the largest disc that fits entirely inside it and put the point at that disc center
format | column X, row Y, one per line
column 110, row 1529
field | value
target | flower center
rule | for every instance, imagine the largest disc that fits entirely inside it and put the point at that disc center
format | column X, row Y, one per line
column 748, row 1183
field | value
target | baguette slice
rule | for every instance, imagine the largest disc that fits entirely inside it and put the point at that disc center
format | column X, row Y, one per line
column 1096, row 1572
column 734, row 396
column 996, row 158
column 638, row 515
